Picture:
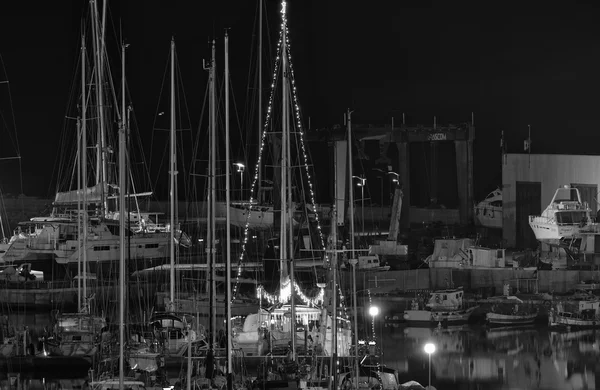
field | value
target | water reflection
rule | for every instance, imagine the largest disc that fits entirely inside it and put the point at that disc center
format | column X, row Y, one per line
column 466, row 357
column 523, row 358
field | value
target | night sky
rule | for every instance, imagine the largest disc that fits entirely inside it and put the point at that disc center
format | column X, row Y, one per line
column 512, row 64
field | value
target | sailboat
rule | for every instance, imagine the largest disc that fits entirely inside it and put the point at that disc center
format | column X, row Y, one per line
column 286, row 325
column 51, row 243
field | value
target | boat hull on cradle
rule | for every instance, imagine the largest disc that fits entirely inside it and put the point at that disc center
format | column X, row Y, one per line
column 433, row 318
column 545, row 230
column 490, row 217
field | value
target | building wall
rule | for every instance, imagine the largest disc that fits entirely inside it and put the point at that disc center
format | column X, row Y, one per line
column 552, row 171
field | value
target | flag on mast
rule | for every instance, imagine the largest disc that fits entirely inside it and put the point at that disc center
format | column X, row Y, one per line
column 527, row 142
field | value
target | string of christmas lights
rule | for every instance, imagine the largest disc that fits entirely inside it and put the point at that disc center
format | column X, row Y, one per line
column 285, row 295
column 372, row 317
column 298, row 121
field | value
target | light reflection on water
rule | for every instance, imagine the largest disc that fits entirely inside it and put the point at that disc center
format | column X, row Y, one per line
column 525, row 358
column 467, row 357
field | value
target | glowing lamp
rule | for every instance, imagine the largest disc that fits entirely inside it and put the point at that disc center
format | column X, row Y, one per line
column 429, row 348
column 373, row 311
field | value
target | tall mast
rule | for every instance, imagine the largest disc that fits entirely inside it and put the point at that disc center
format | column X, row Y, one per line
column 212, row 205
column 84, row 160
column 352, row 257
column 228, row 220
column 287, row 249
column 98, row 43
column 79, row 224
column 284, row 276
column 260, row 123
column 172, row 172
column 122, row 184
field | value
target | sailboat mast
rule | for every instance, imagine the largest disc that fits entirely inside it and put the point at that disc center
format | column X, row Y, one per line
column 84, row 161
column 228, row 219
column 122, row 185
column 283, row 245
column 213, row 174
column 98, row 42
column 352, row 257
column 172, row 172
column 79, row 224
column 260, row 123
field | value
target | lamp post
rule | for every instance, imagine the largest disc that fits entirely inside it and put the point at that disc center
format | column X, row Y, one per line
column 396, row 180
column 240, row 169
column 361, row 184
column 373, row 312
column 429, row 348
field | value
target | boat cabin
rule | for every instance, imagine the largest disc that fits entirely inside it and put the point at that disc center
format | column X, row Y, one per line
column 449, row 299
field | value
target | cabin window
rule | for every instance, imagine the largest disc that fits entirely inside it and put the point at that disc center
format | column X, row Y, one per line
column 101, row 248
column 149, row 246
column 445, row 297
column 570, row 217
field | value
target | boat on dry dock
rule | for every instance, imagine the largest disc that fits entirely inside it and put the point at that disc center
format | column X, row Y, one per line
column 488, row 212
column 564, row 218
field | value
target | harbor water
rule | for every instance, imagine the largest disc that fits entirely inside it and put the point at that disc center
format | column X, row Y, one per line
column 466, row 357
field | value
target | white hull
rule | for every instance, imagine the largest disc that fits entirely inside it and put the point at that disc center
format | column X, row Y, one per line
column 142, row 246
column 261, row 217
column 566, row 216
column 488, row 212
column 255, row 335
column 544, row 229
column 492, row 219
column 561, row 319
column 510, row 319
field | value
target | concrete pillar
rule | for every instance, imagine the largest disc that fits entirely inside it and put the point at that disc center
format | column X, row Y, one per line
column 462, row 179
column 433, row 180
column 469, row 195
column 404, row 172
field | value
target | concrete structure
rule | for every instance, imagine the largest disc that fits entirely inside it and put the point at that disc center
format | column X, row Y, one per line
column 529, row 182
column 393, row 162
column 472, row 279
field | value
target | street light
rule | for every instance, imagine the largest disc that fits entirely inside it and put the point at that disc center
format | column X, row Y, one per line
column 363, row 181
column 240, row 169
column 396, row 180
column 429, row 348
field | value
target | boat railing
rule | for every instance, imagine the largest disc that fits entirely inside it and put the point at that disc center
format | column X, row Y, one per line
column 554, row 221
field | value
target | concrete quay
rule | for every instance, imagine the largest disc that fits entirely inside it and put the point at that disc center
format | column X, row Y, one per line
column 489, row 280
column 393, row 291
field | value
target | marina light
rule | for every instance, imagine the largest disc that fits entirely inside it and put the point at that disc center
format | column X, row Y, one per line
column 373, row 311
column 240, row 167
column 429, row 348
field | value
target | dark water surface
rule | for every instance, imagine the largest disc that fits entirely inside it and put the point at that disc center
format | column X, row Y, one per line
column 468, row 357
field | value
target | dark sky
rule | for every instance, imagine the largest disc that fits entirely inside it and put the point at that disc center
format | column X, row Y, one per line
column 511, row 63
